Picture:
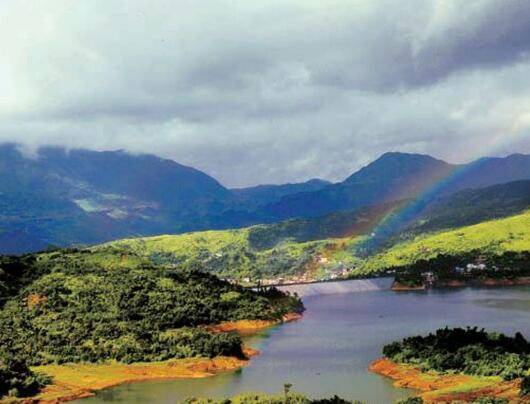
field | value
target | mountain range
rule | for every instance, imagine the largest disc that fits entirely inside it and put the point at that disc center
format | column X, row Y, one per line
column 60, row 197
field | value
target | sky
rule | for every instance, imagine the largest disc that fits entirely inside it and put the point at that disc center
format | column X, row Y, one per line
column 268, row 91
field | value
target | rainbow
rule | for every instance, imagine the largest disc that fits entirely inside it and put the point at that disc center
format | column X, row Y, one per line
column 405, row 214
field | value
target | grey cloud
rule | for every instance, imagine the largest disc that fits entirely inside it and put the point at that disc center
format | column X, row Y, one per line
column 271, row 92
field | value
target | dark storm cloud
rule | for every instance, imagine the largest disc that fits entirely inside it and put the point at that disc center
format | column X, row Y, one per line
column 488, row 37
column 268, row 91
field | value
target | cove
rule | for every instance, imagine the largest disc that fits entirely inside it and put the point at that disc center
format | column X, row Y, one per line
column 343, row 330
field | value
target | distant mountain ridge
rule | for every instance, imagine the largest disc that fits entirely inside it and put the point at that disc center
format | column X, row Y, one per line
column 392, row 177
column 66, row 197
column 265, row 194
column 473, row 205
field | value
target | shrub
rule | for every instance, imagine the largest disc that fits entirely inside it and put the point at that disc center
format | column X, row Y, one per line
column 525, row 386
column 17, row 380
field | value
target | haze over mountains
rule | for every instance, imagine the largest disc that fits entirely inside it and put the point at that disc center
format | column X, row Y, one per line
column 82, row 196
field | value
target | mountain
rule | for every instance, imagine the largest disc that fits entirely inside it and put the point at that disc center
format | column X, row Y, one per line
column 82, row 196
column 392, row 177
column 61, row 197
column 490, row 171
column 472, row 206
column 398, row 176
column 266, row 194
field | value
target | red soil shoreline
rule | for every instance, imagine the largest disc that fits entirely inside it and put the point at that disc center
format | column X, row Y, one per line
column 447, row 388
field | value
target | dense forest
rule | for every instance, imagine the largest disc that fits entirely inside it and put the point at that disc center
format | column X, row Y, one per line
column 470, row 351
column 64, row 306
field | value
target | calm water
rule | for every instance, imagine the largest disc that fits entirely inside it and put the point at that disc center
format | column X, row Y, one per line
column 329, row 350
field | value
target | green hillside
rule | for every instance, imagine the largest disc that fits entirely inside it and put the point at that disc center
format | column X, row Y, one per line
column 72, row 306
column 235, row 253
column 471, row 206
column 511, row 234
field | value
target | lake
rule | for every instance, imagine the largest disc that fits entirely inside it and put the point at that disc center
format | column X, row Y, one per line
column 329, row 350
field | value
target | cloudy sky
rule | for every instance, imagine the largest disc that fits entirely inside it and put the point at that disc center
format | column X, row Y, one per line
column 268, row 91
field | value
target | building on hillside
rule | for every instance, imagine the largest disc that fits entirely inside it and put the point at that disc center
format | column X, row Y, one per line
column 429, row 278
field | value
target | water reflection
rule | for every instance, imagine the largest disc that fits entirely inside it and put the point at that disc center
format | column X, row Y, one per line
column 329, row 350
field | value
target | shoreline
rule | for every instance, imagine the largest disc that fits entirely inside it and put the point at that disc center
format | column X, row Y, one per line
column 443, row 388
column 399, row 287
column 81, row 380
column 312, row 282
column 248, row 327
column 462, row 283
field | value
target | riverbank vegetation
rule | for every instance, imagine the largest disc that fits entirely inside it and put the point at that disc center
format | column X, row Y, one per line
column 471, row 268
column 460, row 363
column 17, row 379
column 470, row 351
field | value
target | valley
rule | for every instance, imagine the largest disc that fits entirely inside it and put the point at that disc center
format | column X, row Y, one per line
column 265, row 202
column 174, row 282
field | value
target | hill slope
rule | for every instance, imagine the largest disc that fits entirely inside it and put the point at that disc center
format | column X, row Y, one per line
column 73, row 306
column 256, row 253
column 473, row 206
column 511, row 234
column 65, row 198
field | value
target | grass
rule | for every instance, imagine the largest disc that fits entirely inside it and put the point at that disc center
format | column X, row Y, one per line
column 188, row 244
column 81, row 380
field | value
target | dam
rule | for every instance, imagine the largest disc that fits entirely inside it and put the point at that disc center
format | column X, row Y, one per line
column 338, row 287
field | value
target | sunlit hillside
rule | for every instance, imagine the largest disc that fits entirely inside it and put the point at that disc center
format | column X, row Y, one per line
column 235, row 254
column 495, row 236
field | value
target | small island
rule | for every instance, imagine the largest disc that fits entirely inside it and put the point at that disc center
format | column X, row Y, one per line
column 458, row 364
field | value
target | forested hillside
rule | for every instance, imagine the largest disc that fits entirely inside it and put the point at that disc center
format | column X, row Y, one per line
column 472, row 206
column 232, row 253
column 82, row 306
